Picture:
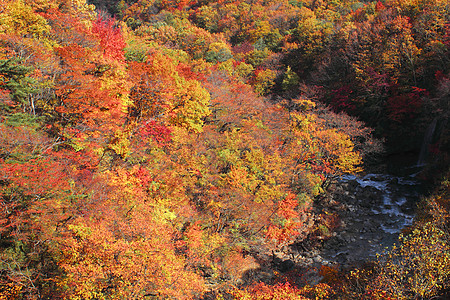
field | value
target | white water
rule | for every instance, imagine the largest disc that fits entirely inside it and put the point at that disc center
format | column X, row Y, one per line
column 395, row 194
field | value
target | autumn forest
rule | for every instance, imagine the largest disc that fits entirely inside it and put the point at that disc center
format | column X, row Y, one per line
column 173, row 149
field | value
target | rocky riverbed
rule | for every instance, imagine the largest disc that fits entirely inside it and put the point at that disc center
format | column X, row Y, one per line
column 372, row 211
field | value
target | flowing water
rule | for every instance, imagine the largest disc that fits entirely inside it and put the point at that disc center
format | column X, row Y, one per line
column 374, row 210
column 397, row 193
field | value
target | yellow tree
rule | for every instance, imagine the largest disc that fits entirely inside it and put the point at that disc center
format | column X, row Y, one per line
column 162, row 94
column 318, row 154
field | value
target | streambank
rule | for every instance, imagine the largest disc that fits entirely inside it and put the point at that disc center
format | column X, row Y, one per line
column 372, row 211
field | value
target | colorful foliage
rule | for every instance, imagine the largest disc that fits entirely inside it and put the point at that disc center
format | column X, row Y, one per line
column 138, row 158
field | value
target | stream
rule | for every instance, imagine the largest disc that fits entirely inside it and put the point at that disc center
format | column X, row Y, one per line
column 373, row 210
